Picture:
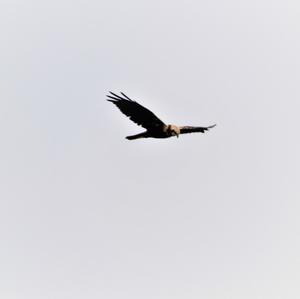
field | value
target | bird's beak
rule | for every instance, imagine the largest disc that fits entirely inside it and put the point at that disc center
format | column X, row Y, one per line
column 177, row 135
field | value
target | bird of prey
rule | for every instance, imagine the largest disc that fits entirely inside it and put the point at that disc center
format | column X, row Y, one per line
column 155, row 128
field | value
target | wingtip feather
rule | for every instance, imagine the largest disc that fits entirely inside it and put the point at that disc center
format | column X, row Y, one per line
column 124, row 95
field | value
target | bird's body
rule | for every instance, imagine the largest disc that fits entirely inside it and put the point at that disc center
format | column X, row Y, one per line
column 155, row 128
column 164, row 131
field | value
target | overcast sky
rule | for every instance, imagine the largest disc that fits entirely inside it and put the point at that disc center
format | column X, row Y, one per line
column 85, row 213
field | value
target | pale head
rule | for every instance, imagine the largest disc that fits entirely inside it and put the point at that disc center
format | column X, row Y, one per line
column 173, row 130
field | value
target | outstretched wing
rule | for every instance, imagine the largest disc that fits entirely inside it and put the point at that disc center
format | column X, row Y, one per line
column 136, row 112
column 188, row 129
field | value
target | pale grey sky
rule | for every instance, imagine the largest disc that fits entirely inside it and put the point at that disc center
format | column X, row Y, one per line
column 85, row 213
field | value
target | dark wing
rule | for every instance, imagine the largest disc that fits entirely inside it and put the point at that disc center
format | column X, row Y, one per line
column 188, row 129
column 136, row 112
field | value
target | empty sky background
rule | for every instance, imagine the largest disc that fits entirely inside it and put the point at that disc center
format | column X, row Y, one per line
column 85, row 213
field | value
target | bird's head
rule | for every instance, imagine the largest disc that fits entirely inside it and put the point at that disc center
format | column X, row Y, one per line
column 173, row 130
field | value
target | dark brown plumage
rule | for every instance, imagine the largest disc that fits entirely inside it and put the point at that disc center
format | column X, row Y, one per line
column 148, row 120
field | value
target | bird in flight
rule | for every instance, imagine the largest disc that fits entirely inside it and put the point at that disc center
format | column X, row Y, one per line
column 155, row 128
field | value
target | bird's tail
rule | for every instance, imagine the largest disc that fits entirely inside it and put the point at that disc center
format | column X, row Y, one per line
column 138, row 136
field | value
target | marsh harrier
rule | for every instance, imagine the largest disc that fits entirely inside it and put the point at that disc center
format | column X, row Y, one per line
column 148, row 120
